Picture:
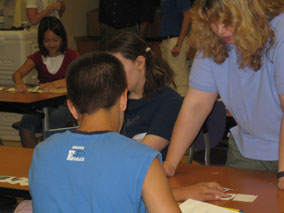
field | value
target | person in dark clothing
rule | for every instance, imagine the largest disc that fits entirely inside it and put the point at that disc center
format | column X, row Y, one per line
column 116, row 16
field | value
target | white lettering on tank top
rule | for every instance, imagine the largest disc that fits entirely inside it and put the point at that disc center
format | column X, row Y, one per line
column 77, row 153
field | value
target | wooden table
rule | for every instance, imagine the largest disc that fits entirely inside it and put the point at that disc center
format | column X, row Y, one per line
column 15, row 161
column 31, row 103
column 264, row 184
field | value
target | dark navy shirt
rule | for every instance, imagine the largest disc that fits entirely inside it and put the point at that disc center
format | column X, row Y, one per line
column 172, row 16
column 155, row 116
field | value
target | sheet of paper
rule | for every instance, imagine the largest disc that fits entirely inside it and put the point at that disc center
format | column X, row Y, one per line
column 37, row 89
column 23, row 181
column 34, row 89
column 240, row 197
column 245, row 198
column 6, row 178
column 194, row 206
column 12, row 89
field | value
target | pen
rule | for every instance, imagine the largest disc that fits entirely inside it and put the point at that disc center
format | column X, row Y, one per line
column 237, row 210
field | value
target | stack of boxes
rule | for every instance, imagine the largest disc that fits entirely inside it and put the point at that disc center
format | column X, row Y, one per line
column 15, row 46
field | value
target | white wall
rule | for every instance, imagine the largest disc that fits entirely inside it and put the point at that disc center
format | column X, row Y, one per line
column 74, row 18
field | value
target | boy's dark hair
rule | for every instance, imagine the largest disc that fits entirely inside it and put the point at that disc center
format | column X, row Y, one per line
column 94, row 81
column 55, row 25
column 158, row 72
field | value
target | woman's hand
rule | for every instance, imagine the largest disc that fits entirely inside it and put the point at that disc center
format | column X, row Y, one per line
column 281, row 183
column 176, row 51
column 21, row 88
column 169, row 168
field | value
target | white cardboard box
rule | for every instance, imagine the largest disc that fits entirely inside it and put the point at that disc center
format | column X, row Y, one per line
column 15, row 47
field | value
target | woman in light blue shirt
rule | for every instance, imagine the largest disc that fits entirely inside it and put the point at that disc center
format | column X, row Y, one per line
column 240, row 58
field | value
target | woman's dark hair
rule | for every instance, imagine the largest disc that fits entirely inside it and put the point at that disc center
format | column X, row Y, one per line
column 95, row 81
column 158, row 72
column 56, row 26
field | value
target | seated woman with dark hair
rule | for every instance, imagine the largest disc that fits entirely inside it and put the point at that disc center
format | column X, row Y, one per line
column 152, row 105
column 51, row 63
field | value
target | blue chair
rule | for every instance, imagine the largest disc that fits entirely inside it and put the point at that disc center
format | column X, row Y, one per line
column 211, row 132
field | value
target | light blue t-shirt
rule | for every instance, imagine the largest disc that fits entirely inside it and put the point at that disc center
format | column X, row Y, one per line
column 251, row 97
column 89, row 172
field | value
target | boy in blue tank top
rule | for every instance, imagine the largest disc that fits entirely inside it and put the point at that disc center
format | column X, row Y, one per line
column 93, row 168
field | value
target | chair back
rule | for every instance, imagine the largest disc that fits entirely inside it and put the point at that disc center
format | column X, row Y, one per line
column 59, row 130
column 214, row 125
column 210, row 133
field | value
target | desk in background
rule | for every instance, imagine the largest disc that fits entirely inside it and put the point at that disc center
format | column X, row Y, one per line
column 264, row 184
column 31, row 103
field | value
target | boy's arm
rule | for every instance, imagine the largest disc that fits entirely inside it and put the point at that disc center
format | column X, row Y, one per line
column 156, row 192
column 281, row 146
column 162, row 122
column 204, row 191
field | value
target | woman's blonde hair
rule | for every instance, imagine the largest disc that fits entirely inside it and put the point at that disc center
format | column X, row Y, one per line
column 249, row 18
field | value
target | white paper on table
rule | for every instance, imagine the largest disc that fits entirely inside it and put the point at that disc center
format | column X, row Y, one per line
column 23, row 181
column 6, row 179
column 245, row 198
column 195, row 206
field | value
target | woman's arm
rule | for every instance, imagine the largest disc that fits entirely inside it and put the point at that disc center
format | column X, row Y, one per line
column 281, row 146
column 53, row 85
column 162, row 121
column 35, row 17
column 155, row 141
column 20, row 74
column 195, row 108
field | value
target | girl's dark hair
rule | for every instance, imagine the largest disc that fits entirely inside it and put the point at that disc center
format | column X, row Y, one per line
column 158, row 72
column 56, row 26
